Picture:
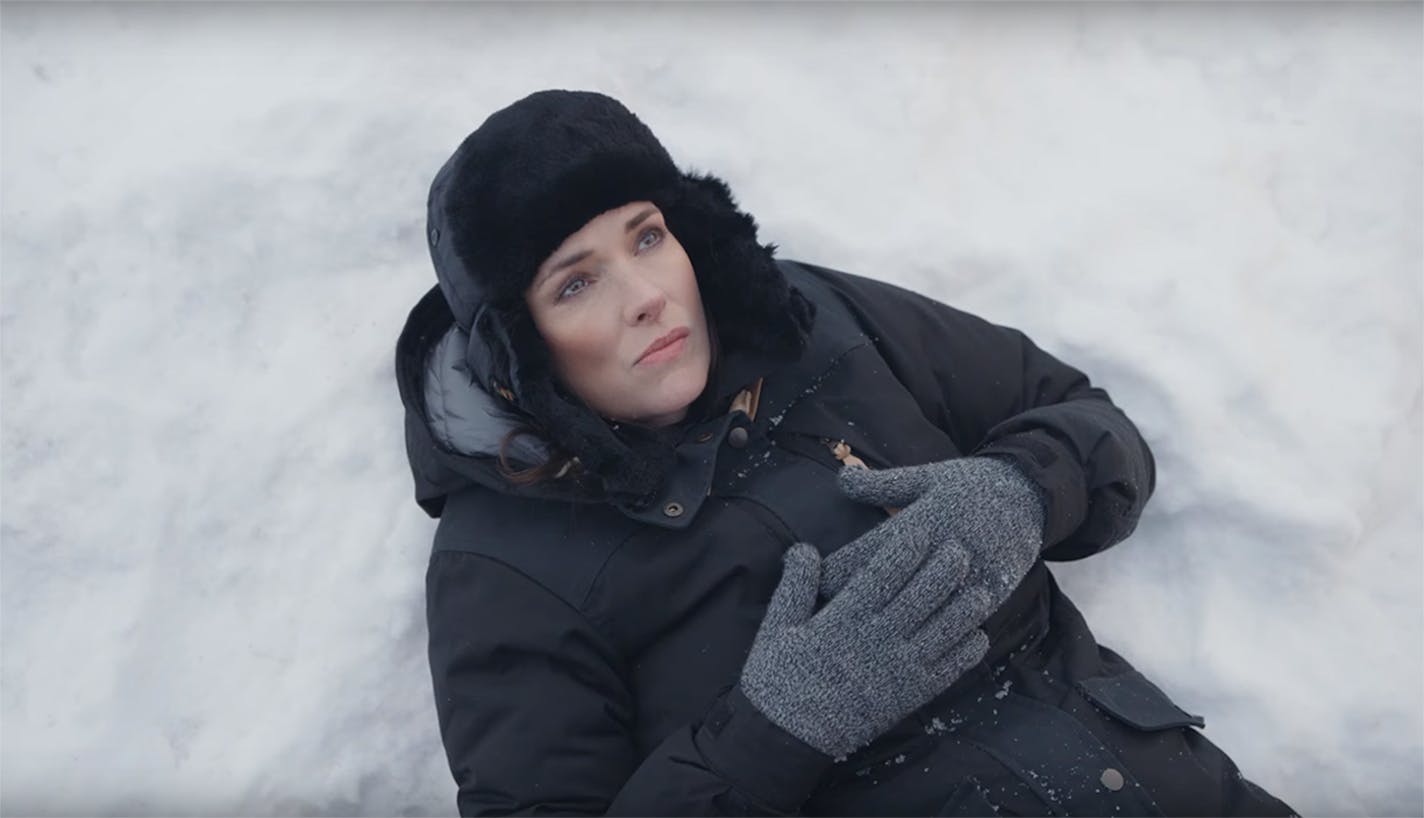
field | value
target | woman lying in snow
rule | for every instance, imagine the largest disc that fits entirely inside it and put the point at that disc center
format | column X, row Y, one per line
column 722, row 534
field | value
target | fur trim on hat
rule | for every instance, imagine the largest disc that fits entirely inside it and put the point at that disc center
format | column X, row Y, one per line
column 744, row 292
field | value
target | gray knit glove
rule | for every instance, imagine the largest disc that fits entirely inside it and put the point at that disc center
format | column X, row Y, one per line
column 982, row 504
column 895, row 636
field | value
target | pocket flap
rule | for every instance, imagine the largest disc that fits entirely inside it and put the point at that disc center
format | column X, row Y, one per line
column 1132, row 698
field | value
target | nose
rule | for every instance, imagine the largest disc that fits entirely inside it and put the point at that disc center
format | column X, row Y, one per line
column 645, row 300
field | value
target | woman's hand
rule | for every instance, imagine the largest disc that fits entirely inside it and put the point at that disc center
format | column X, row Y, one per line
column 896, row 635
column 984, row 505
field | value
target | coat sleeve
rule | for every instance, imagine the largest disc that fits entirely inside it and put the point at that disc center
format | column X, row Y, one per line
column 537, row 717
column 997, row 394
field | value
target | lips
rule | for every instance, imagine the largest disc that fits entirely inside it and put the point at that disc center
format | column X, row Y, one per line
column 665, row 341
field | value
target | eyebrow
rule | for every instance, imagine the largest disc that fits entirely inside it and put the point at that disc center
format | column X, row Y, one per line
column 580, row 256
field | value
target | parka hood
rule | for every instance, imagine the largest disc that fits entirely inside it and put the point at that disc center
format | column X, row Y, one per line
column 453, row 427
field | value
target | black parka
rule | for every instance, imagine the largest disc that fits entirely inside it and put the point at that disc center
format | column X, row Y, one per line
column 585, row 659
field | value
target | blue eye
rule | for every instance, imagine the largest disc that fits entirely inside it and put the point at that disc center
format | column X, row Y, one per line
column 568, row 290
column 655, row 232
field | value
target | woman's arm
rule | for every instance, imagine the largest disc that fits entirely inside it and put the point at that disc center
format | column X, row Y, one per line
column 997, row 394
column 536, row 717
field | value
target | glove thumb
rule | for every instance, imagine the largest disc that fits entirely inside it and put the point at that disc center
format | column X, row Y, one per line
column 896, row 488
column 794, row 600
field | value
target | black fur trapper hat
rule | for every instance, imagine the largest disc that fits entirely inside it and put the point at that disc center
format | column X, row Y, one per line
column 539, row 170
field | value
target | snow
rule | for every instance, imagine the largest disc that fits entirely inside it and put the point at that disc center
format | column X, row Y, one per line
column 213, row 228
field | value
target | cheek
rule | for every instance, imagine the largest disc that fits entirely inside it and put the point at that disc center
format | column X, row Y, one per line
column 685, row 288
column 581, row 347
column 694, row 296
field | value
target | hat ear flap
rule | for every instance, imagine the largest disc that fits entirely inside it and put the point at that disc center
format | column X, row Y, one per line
column 745, row 294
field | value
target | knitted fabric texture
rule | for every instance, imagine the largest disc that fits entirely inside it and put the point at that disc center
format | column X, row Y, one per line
column 896, row 635
column 983, row 506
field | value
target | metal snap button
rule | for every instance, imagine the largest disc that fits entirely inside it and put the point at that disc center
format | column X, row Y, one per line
column 737, row 438
column 673, row 509
column 704, row 437
column 1112, row 779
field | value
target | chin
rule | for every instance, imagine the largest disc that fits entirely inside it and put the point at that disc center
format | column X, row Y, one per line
column 674, row 396
column 689, row 385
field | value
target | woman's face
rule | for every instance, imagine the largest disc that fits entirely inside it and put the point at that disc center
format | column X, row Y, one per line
column 607, row 300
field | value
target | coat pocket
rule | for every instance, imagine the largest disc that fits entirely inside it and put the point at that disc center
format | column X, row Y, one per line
column 1184, row 772
column 1134, row 700
column 1050, row 752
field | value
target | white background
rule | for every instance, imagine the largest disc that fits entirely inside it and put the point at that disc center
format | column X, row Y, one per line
column 213, row 221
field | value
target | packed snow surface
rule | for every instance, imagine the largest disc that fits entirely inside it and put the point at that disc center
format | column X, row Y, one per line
column 213, row 226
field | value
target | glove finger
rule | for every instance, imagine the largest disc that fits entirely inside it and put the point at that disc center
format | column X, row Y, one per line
column 850, row 559
column 965, row 611
column 963, row 655
column 794, row 599
column 841, row 564
column 895, row 561
column 886, row 487
column 930, row 589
